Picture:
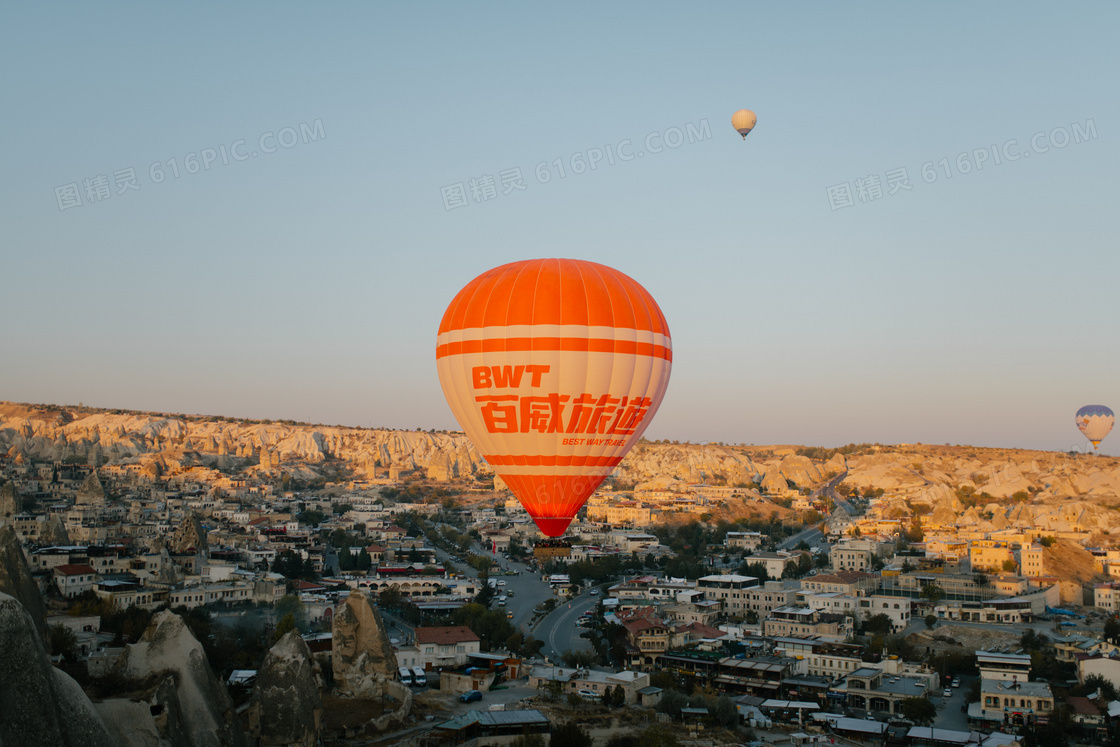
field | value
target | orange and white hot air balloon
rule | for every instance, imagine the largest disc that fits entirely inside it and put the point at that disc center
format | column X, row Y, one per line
column 554, row 369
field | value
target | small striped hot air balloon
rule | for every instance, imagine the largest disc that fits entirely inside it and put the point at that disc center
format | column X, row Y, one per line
column 743, row 121
column 1095, row 421
column 554, row 369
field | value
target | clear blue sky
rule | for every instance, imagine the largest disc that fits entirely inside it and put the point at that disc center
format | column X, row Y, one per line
column 308, row 282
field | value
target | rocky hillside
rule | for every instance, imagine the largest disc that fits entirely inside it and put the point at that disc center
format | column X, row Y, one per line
column 166, row 444
column 999, row 486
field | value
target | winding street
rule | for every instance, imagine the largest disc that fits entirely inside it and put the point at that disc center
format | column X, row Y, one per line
column 558, row 629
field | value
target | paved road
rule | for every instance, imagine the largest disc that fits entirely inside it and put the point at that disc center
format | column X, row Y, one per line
column 949, row 714
column 829, row 488
column 528, row 589
column 811, row 536
column 558, row 630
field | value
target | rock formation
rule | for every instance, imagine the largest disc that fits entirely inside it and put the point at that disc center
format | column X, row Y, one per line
column 189, row 534
column 837, row 464
column 39, row 704
column 773, row 482
column 185, row 703
column 9, row 502
column 362, row 655
column 16, row 581
column 54, row 533
column 800, row 471
column 91, row 493
column 286, row 709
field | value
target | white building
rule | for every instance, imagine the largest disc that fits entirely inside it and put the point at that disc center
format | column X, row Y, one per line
column 730, row 589
column 74, row 579
column 445, row 646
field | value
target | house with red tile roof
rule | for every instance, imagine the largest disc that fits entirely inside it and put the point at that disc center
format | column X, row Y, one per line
column 448, row 646
column 74, row 579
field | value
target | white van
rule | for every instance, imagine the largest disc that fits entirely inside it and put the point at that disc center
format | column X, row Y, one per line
column 405, row 675
column 419, row 679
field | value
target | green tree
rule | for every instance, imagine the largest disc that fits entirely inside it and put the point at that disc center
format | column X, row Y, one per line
column 390, row 598
column 364, row 562
column 1055, row 733
column 627, row 740
column 531, row 647
column 289, row 604
column 933, row 593
column 63, row 641
column 919, row 710
column 672, row 701
column 346, row 560
column 724, row 711
column 756, row 569
column 311, row 517
column 1092, row 684
column 1112, row 630
column 931, row 620
column 287, row 622
column 658, row 735
column 571, row 734
column 1010, row 566
column 915, row 533
column 879, row 624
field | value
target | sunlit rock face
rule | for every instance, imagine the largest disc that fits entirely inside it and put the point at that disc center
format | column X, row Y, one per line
column 361, row 652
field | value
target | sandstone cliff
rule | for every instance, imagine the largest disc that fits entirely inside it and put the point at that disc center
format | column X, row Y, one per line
column 184, row 702
column 1078, row 491
column 362, row 654
column 286, row 709
column 16, row 581
column 39, row 704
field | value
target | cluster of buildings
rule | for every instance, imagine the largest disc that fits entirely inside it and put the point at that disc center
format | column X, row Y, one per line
column 184, row 543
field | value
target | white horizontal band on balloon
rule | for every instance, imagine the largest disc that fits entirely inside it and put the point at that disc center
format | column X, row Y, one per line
column 554, row 330
column 561, row 344
column 551, row 471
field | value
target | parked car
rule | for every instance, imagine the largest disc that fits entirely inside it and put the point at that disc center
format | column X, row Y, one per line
column 947, row 693
column 956, row 683
column 470, row 696
column 589, row 694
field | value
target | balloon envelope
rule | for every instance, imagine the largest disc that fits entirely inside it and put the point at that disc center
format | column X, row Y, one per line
column 554, row 369
column 1095, row 421
column 743, row 121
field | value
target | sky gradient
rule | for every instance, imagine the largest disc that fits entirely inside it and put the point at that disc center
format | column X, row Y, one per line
column 308, row 282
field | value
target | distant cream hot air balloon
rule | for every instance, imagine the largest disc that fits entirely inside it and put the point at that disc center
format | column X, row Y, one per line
column 743, row 121
column 1095, row 421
